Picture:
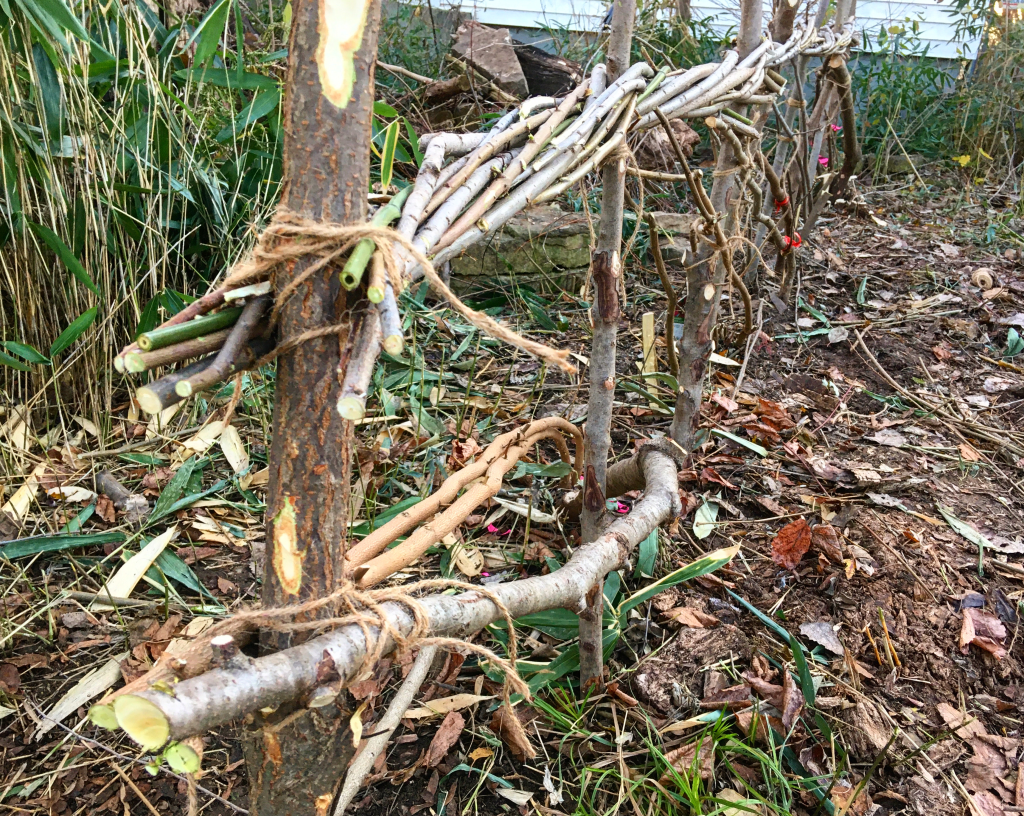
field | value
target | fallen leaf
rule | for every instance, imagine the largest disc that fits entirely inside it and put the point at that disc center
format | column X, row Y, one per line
column 480, row 753
column 554, row 794
column 709, row 474
column 691, row 618
column 91, row 685
column 447, row 735
column 355, row 724
column 822, row 633
column 10, row 678
column 792, row 701
column 519, row 797
column 124, row 580
column 468, row 559
column 984, row 630
column 730, row 698
column 727, row 403
column 888, row 437
column 791, row 543
column 993, row 385
column 226, row 586
column 964, row 725
column 838, row 335
column 704, row 520
column 443, row 705
column 71, row 493
column 507, row 725
column 691, row 759
column 105, row 509
column 986, row 804
column 968, row 453
column 745, row 806
column 825, row 539
column 942, row 352
column 845, row 804
column 234, row 451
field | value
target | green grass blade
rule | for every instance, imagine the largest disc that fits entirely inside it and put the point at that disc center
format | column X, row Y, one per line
column 74, row 331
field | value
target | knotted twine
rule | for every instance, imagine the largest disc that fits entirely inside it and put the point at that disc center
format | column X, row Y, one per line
column 363, row 608
column 290, row 237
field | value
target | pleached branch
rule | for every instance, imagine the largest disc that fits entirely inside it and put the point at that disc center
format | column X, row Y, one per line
column 242, row 685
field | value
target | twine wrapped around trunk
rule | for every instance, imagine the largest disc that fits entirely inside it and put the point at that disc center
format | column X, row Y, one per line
column 290, row 237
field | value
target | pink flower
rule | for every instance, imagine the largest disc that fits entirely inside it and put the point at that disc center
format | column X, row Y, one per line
column 621, row 508
column 823, row 161
column 493, row 529
column 835, row 128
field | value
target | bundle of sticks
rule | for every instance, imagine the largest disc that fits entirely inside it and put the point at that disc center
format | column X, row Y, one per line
column 468, row 186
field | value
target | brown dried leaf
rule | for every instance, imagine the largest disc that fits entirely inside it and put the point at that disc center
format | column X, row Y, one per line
column 690, row 758
column 730, row 698
column 691, row 618
column 768, row 691
column 825, row 539
column 846, row 805
column 447, row 735
column 709, row 474
column 506, row 725
column 964, row 725
column 984, row 630
column 791, row 543
column 105, row 509
column 792, row 701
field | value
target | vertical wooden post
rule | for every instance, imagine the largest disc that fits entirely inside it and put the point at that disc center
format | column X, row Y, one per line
column 296, row 758
column 606, row 267
column 701, row 310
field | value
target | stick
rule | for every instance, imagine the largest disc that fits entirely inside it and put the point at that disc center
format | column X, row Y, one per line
column 224, row 364
column 160, row 395
column 367, row 755
column 222, row 695
column 670, row 295
column 137, row 361
column 391, row 323
column 398, row 69
column 358, row 369
column 207, row 303
column 376, row 285
column 169, row 335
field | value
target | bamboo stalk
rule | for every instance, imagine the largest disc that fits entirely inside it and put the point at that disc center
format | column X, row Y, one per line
column 138, row 361
column 160, row 395
column 375, row 286
column 352, row 272
column 168, row 335
column 391, row 323
column 522, row 161
column 245, row 328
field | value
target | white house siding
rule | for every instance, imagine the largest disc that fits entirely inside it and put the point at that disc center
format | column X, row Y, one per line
column 937, row 27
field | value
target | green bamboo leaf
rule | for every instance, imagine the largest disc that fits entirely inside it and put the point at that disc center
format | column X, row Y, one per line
column 52, row 543
column 67, row 257
column 414, row 141
column 223, row 78
column 49, row 91
column 702, row 566
column 387, row 159
column 74, row 331
column 739, row 440
column 648, row 555
column 26, row 352
column 57, row 11
column 263, row 103
column 384, row 109
column 208, row 33
column 173, row 490
column 12, row 362
column 173, row 567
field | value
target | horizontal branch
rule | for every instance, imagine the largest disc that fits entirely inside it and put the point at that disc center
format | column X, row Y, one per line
column 219, row 696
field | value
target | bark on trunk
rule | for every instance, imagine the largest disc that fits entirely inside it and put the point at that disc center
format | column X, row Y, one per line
column 296, row 759
column 701, row 309
column 605, row 266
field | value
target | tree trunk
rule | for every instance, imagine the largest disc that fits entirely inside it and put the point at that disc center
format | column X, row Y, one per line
column 684, row 11
column 606, row 265
column 296, row 759
column 701, row 310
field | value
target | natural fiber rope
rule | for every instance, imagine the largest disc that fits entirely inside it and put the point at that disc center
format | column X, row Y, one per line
column 290, row 237
column 365, row 610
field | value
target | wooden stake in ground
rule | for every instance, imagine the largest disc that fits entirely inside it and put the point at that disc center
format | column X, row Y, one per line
column 296, row 756
column 605, row 266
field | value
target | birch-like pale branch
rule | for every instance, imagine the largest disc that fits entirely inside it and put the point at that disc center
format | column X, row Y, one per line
column 216, row 697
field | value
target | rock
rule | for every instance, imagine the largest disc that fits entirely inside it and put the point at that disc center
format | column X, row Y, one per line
column 673, row 677
column 546, row 74
column 542, row 247
column 895, row 164
column 489, row 51
column 674, row 232
column 655, row 151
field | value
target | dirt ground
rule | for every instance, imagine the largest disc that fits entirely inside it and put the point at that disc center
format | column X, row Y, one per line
column 869, row 441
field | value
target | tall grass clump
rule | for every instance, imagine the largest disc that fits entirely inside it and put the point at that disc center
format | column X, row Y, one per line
column 136, row 154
